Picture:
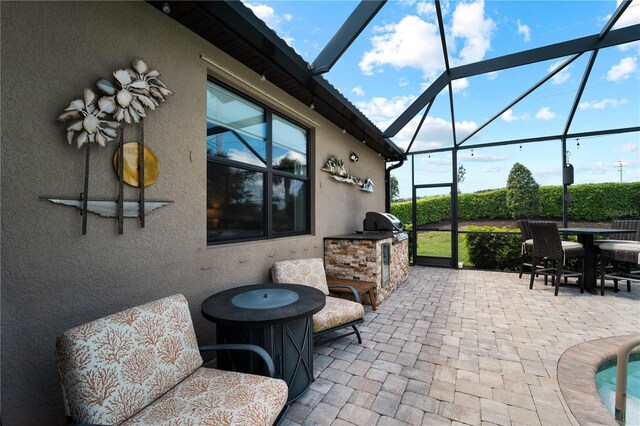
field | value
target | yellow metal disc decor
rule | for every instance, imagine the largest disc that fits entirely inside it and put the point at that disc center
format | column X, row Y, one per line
column 130, row 164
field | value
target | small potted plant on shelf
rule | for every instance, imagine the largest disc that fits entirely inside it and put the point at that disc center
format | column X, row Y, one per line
column 335, row 165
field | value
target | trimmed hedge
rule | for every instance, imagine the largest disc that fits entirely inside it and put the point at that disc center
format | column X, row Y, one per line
column 485, row 205
column 499, row 252
column 593, row 201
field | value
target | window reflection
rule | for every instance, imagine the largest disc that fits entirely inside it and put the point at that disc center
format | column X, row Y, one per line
column 235, row 199
column 289, row 204
column 236, row 128
column 289, row 146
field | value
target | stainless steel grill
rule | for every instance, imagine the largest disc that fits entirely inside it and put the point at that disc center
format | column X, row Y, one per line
column 384, row 222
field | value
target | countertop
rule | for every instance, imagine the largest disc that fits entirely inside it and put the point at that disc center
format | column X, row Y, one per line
column 377, row 236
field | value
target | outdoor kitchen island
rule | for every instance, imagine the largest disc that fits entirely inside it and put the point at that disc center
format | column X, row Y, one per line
column 368, row 256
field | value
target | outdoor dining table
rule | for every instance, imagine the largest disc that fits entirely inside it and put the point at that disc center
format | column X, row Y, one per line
column 276, row 317
column 586, row 237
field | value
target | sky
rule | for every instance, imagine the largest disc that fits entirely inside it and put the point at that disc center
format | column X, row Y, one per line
column 399, row 54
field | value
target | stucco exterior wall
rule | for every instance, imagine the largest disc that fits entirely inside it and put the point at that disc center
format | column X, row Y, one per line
column 54, row 278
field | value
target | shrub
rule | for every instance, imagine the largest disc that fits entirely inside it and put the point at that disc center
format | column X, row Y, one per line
column 402, row 210
column 522, row 192
column 594, row 201
column 428, row 210
column 486, row 205
column 494, row 251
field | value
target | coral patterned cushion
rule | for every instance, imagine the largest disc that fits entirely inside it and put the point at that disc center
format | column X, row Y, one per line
column 113, row 367
column 336, row 312
column 301, row 271
column 216, row 397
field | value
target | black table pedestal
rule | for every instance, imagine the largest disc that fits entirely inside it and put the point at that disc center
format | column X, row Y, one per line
column 290, row 346
column 589, row 262
column 276, row 317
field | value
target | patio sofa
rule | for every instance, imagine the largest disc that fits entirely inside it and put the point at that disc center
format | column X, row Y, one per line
column 143, row 366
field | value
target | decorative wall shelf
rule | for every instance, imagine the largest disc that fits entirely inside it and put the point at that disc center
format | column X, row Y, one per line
column 109, row 208
column 342, row 177
column 340, row 174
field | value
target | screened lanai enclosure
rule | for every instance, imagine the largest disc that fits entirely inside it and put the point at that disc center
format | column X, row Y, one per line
column 453, row 94
column 554, row 142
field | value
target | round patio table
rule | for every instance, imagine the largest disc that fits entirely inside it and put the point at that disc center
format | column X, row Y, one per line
column 586, row 238
column 276, row 317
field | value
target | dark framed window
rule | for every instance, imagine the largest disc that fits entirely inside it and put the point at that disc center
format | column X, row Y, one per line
column 258, row 183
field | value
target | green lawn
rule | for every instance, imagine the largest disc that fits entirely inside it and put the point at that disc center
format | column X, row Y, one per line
column 439, row 244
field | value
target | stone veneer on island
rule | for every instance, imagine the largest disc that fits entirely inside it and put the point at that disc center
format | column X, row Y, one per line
column 360, row 257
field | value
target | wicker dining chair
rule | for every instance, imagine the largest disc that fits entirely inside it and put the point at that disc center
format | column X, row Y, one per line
column 625, row 224
column 621, row 250
column 547, row 247
column 622, row 224
column 625, row 259
column 527, row 245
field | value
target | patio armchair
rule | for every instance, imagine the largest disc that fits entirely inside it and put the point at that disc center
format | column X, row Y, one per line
column 143, row 366
column 337, row 314
column 549, row 248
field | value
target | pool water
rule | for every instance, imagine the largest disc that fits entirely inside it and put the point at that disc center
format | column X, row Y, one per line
column 606, row 383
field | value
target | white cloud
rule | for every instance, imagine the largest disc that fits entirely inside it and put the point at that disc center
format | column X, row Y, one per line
column 546, row 114
column 609, row 168
column 547, row 171
column 630, row 46
column 469, row 24
column 524, row 30
column 415, row 42
column 301, row 158
column 426, row 8
column 483, row 158
column 602, row 104
column 492, row 75
column 509, row 116
column 597, row 168
column 244, row 157
column 623, row 69
column 631, row 16
column 435, row 131
column 358, row 91
column 563, row 76
column 272, row 19
column 630, row 147
column 492, row 169
column 411, row 42
column 403, row 82
column 437, row 160
column 266, row 13
column 459, row 84
column 381, row 110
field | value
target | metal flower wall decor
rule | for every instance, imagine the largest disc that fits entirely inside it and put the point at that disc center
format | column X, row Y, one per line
column 135, row 89
column 94, row 119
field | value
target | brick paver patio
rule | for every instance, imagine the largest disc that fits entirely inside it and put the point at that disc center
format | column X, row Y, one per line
column 456, row 347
